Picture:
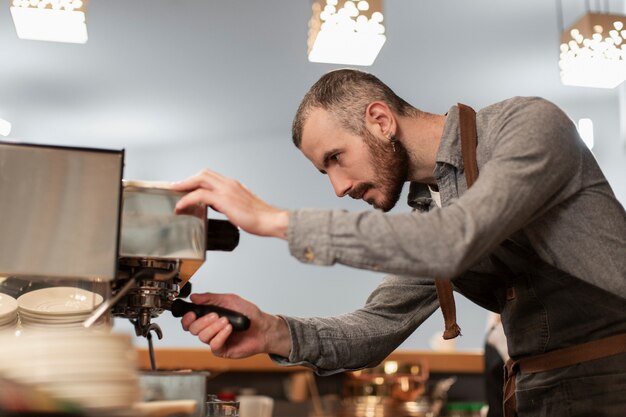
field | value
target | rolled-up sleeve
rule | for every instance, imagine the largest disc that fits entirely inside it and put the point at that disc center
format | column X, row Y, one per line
column 366, row 336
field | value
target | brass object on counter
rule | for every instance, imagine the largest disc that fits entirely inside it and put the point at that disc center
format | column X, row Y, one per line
column 398, row 380
column 393, row 389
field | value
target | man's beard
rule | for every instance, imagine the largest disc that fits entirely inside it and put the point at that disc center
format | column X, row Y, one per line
column 391, row 169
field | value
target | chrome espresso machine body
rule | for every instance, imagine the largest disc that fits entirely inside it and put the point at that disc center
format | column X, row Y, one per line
column 67, row 216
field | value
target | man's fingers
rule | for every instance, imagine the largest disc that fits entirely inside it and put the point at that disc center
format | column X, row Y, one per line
column 202, row 323
column 187, row 319
column 209, row 334
column 204, row 298
column 198, row 196
column 218, row 342
column 191, row 183
column 204, row 179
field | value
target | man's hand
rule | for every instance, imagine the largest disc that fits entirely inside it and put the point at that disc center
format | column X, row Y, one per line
column 235, row 201
column 267, row 333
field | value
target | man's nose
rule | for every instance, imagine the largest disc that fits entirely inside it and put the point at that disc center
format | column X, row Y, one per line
column 342, row 186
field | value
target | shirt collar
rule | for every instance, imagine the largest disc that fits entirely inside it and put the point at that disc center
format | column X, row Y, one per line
column 449, row 153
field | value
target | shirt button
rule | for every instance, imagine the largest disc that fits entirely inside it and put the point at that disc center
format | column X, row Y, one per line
column 309, row 255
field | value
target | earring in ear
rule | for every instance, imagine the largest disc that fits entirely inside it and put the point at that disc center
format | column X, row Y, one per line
column 392, row 140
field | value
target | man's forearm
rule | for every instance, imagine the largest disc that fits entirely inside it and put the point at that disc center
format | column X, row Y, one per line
column 364, row 337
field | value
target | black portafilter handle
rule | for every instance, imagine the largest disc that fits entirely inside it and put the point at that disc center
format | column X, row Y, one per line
column 221, row 235
column 237, row 320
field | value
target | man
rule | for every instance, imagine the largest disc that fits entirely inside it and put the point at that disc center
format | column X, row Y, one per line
column 539, row 238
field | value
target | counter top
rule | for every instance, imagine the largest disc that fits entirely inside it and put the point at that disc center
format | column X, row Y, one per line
column 202, row 359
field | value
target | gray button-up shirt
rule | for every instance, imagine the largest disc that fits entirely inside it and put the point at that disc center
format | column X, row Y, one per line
column 538, row 185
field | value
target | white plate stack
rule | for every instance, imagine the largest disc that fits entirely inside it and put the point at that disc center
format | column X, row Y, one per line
column 8, row 312
column 56, row 308
column 97, row 371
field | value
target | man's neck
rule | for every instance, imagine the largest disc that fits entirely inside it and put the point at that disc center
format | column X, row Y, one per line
column 421, row 136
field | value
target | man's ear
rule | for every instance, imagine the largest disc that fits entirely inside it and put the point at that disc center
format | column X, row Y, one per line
column 379, row 119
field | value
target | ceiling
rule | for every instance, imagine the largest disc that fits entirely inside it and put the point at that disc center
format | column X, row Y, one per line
column 181, row 71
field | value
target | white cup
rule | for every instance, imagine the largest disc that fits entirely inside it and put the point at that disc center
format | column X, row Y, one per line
column 255, row 406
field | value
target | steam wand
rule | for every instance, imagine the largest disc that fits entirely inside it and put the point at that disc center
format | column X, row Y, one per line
column 107, row 304
column 151, row 351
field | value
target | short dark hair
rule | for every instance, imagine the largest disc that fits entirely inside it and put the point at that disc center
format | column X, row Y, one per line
column 346, row 93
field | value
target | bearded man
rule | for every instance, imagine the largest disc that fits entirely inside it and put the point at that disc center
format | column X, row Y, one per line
column 539, row 238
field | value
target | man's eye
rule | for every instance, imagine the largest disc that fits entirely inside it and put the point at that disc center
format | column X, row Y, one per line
column 334, row 157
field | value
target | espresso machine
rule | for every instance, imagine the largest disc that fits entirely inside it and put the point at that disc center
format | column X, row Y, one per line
column 69, row 221
column 67, row 216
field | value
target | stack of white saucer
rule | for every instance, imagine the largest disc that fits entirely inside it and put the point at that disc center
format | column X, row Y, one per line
column 8, row 312
column 56, row 308
column 97, row 371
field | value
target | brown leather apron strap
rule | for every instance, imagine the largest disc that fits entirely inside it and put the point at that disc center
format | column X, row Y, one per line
column 469, row 141
column 448, row 308
column 467, row 124
column 509, row 403
column 596, row 349
column 560, row 358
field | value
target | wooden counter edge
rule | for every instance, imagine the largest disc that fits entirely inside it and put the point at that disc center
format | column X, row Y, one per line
column 201, row 359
